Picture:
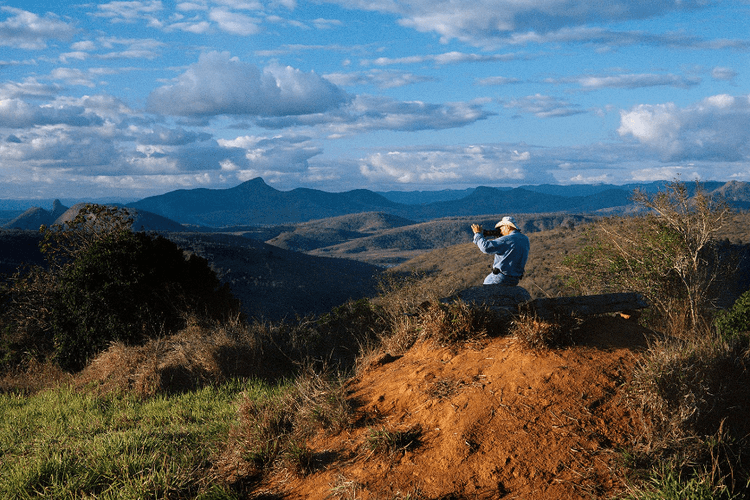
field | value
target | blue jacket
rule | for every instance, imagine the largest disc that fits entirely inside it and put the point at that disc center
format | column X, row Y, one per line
column 511, row 253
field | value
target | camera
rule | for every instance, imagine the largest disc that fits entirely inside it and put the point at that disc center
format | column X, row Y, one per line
column 492, row 233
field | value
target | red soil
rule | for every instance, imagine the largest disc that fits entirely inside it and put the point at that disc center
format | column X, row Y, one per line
column 496, row 420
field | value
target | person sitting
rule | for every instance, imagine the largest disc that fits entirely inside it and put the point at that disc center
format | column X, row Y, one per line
column 511, row 251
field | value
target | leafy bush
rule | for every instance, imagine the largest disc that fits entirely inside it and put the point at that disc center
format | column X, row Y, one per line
column 106, row 283
column 735, row 321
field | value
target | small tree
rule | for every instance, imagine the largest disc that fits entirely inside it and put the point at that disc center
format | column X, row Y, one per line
column 669, row 254
column 106, row 283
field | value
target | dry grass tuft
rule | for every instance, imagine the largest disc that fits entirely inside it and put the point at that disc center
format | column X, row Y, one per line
column 536, row 333
column 273, row 430
column 198, row 355
column 691, row 396
column 687, row 388
column 35, row 377
column 390, row 441
column 442, row 323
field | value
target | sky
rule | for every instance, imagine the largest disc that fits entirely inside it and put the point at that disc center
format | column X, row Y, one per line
column 130, row 99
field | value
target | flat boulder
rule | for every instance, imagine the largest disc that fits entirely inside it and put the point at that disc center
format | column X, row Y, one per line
column 495, row 295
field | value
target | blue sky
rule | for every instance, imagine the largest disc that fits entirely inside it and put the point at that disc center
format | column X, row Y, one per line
column 135, row 98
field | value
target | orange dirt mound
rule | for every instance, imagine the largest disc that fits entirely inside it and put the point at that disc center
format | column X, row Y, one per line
column 493, row 420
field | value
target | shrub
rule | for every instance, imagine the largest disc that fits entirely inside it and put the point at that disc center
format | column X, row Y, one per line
column 669, row 255
column 106, row 283
column 735, row 321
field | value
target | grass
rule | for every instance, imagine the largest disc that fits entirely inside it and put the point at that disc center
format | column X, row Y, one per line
column 387, row 442
column 64, row 443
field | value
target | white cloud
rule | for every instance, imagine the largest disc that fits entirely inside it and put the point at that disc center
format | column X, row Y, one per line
column 234, row 22
column 633, row 81
column 171, row 137
column 544, row 106
column 17, row 114
column 722, row 73
column 131, row 11
column 480, row 22
column 366, row 113
column 471, row 165
column 608, row 39
column 72, row 76
column 379, row 78
column 219, row 84
column 27, row 30
column 280, row 154
column 131, row 48
column 29, row 88
column 85, row 45
column 440, row 59
column 497, row 80
column 717, row 128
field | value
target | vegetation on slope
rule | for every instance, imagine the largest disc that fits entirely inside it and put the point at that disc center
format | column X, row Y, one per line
column 688, row 390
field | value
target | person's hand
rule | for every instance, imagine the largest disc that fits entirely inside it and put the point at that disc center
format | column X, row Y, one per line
column 476, row 228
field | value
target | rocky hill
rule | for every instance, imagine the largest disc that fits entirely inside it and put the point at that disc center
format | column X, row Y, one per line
column 34, row 217
column 37, row 216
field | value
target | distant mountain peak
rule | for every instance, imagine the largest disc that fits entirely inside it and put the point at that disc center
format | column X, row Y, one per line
column 254, row 184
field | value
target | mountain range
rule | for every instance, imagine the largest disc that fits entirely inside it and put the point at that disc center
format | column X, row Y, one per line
column 256, row 203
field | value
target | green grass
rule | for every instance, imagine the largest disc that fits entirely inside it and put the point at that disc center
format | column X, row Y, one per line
column 64, row 443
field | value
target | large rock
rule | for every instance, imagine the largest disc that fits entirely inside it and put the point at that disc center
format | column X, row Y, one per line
column 495, row 295
column 514, row 300
column 503, row 300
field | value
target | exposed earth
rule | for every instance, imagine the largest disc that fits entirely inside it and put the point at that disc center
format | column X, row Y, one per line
column 490, row 419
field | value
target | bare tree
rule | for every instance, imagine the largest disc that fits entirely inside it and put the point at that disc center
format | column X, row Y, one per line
column 669, row 253
column 695, row 220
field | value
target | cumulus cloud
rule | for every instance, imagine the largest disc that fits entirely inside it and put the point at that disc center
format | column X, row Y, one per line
column 26, row 30
column 18, row 114
column 74, row 149
column 274, row 154
column 716, row 128
column 496, row 80
column 610, row 38
column 189, row 156
column 28, row 88
column 171, row 137
column 222, row 85
column 72, row 76
column 234, row 22
column 544, row 106
column 722, row 73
